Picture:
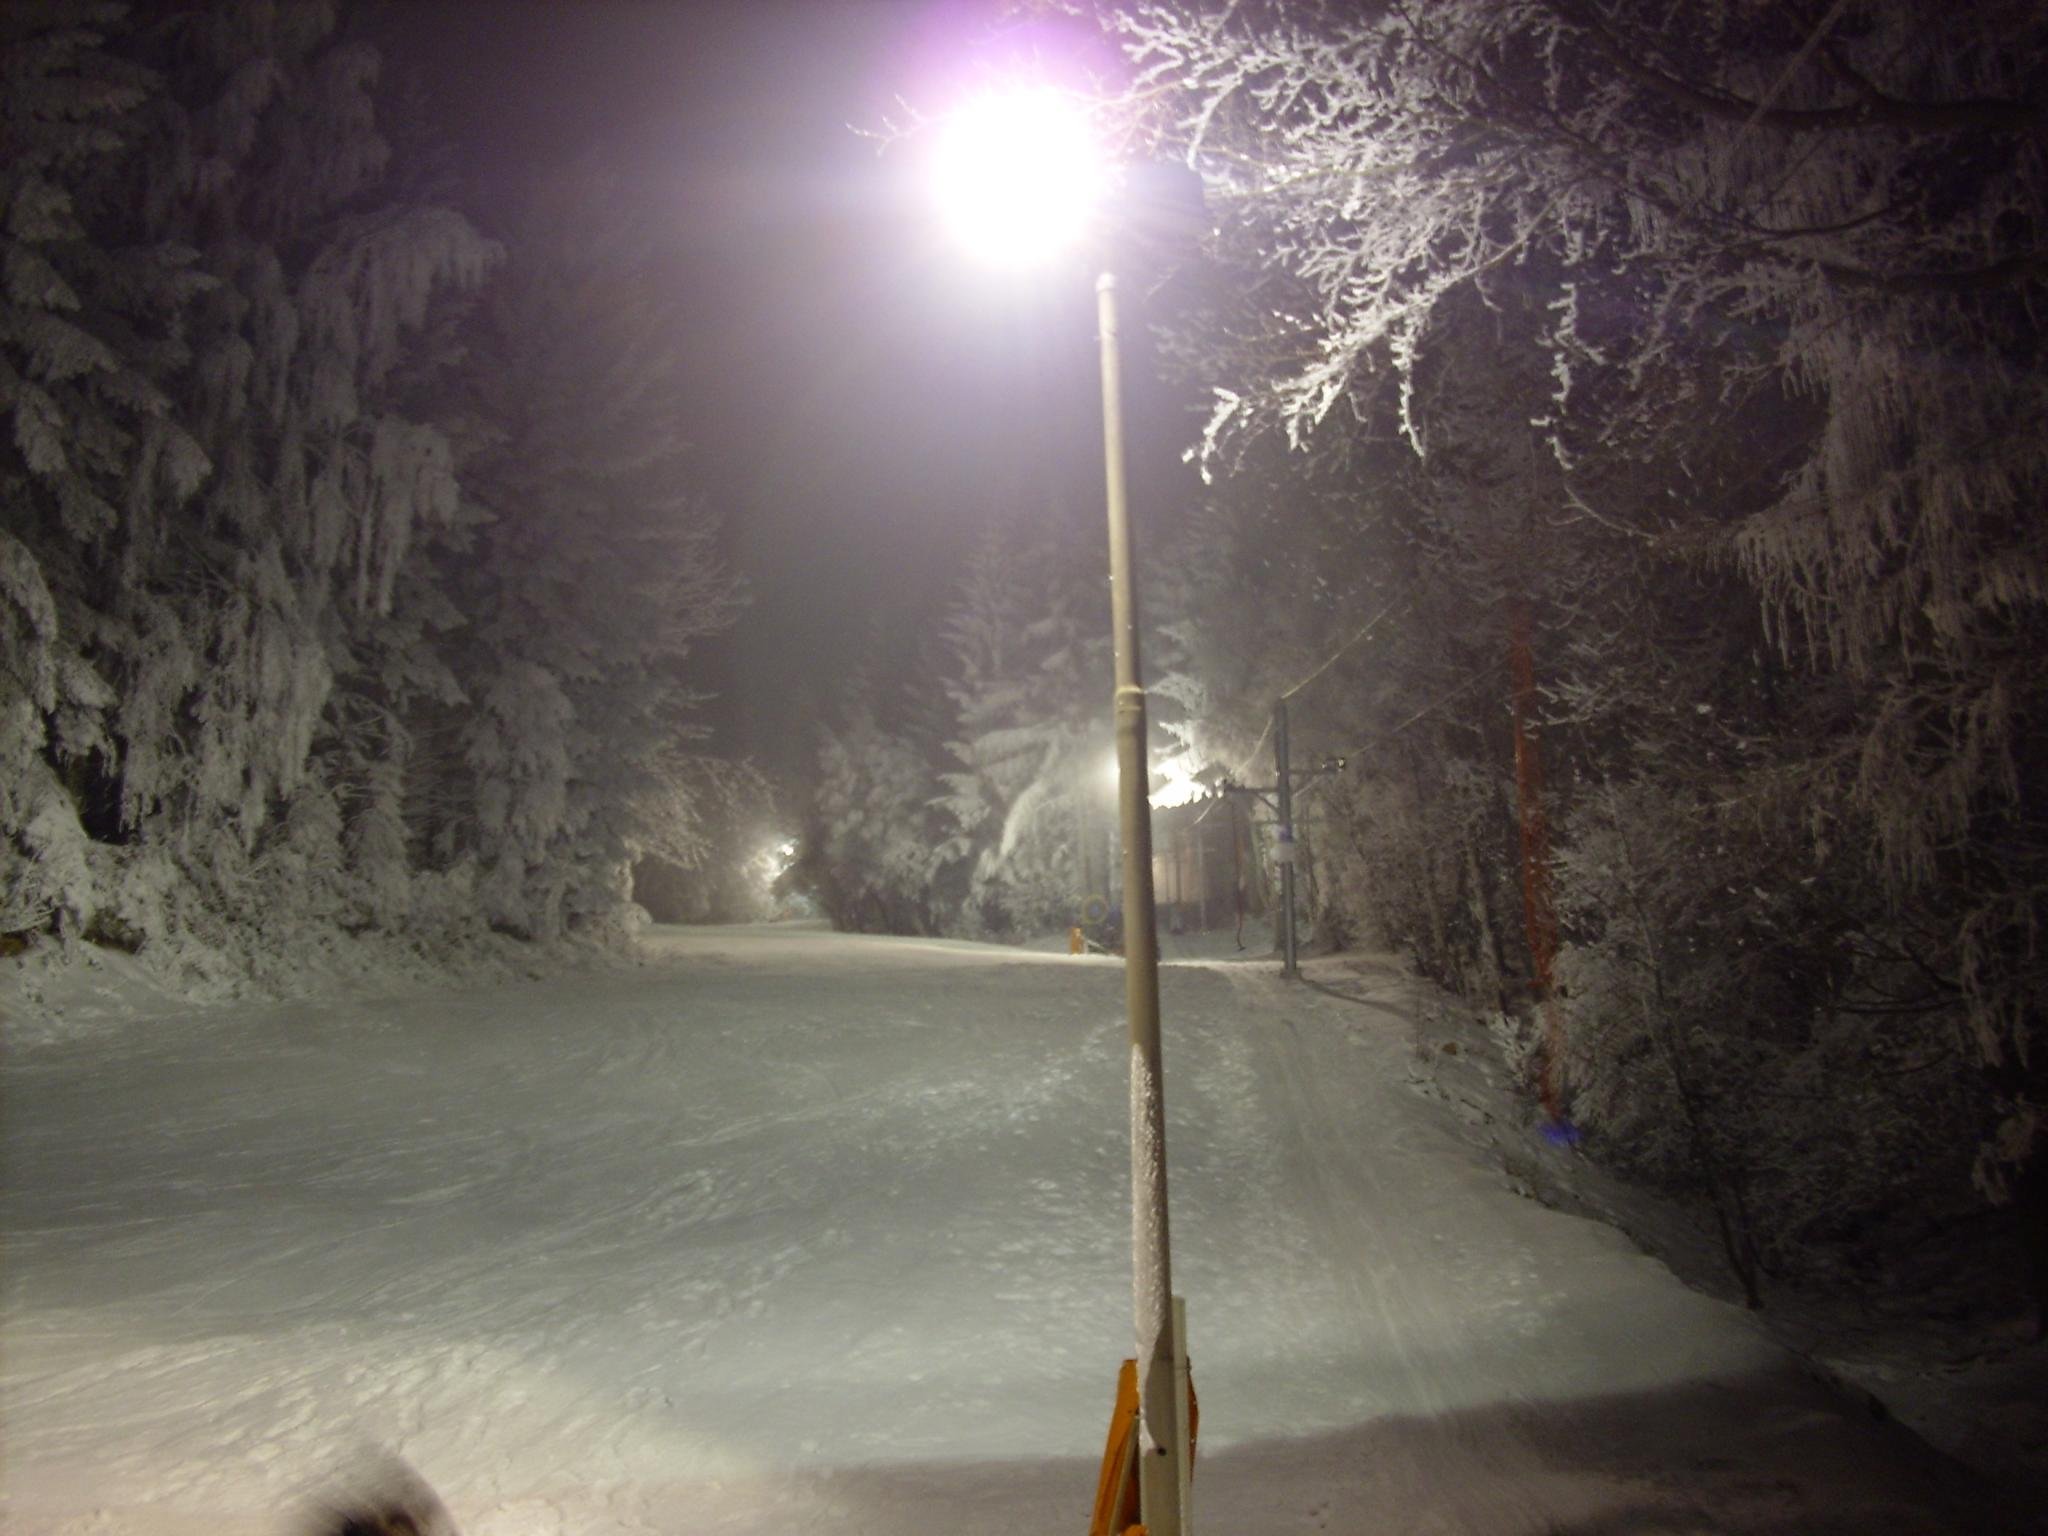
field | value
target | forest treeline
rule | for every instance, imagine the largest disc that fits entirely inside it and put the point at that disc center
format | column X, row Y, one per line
column 1629, row 416
column 349, row 570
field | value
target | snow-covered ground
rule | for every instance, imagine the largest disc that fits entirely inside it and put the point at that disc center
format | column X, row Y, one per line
column 789, row 1230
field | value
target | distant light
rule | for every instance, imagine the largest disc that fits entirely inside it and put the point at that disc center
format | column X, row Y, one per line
column 1178, row 785
column 1177, row 788
column 774, row 860
column 1018, row 175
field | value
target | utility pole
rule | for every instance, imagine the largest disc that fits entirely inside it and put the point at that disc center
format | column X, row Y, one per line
column 1284, row 847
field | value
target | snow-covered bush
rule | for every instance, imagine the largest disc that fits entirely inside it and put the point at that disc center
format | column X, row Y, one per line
column 1738, row 1035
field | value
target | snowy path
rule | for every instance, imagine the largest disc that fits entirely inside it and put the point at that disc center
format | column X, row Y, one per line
column 797, row 1231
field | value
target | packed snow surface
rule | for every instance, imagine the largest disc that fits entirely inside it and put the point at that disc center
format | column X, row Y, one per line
column 796, row 1231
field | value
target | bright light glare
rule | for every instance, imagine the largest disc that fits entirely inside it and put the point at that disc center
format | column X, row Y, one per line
column 1180, row 786
column 770, row 863
column 1018, row 176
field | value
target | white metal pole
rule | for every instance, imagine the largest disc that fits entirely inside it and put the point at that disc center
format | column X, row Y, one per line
column 1161, row 1445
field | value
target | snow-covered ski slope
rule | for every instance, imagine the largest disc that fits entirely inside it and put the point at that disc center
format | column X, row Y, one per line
column 793, row 1231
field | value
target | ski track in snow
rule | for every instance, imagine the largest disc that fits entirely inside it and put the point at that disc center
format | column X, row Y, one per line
column 794, row 1230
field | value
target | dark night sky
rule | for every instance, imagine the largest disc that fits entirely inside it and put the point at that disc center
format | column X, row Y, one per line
column 862, row 398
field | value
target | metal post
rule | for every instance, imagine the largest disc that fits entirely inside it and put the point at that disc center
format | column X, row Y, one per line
column 1161, row 1446
column 1086, row 819
column 1285, row 850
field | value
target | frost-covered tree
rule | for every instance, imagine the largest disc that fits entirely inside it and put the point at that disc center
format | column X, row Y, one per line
column 266, row 159
column 213, row 414
column 587, row 574
column 1025, row 678
column 1745, row 1038
column 747, row 844
column 868, row 853
column 1804, row 234
column 88, row 347
column 327, row 594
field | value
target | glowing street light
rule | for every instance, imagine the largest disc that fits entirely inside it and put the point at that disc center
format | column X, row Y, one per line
column 1020, row 177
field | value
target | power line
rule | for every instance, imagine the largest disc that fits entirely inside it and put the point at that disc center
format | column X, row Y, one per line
column 1368, row 627
column 1321, row 667
column 1769, row 98
column 1421, row 714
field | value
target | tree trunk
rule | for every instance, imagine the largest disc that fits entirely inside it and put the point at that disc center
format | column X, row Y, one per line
column 1539, row 913
column 1482, row 914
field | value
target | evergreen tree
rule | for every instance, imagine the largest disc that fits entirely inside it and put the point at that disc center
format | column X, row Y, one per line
column 1025, row 681
column 869, row 852
column 89, row 349
column 325, row 595
column 589, row 572
column 240, row 487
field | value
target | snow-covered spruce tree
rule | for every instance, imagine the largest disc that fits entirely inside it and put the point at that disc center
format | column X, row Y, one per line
column 1717, row 203
column 1028, row 740
column 869, row 851
column 1741, row 1024
column 261, row 725
column 89, row 325
column 587, row 574
column 239, row 502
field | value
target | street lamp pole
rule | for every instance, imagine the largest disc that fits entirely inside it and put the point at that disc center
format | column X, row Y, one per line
column 1021, row 173
column 1161, row 1449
